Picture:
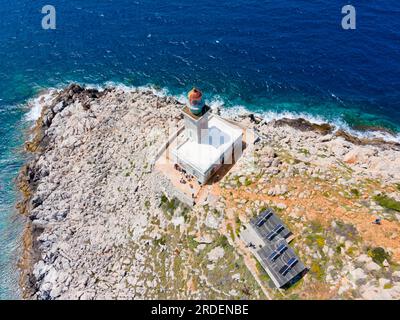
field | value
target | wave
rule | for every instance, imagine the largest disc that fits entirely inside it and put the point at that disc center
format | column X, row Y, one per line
column 36, row 104
column 337, row 123
column 216, row 102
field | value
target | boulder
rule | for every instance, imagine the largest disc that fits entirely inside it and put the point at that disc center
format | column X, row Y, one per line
column 216, row 254
column 372, row 266
column 358, row 274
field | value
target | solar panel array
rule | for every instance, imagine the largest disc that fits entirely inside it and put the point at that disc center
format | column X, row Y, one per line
column 277, row 257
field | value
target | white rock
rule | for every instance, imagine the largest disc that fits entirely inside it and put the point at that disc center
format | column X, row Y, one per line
column 216, row 253
column 358, row 274
column 372, row 266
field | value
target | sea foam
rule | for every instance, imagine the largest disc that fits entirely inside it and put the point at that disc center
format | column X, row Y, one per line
column 36, row 105
column 217, row 102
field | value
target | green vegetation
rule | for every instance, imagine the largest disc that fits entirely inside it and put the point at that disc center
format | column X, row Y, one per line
column 169, row 206
column 351, row 251
column 320, row 241
column 304, row 151
column 222, row 241
column 388, row 285
column 236, row 179
column 217, row 213
column 183, row 256
column 326, row 194
column 185, row 213
column 238, row 225
column 147, row 204
column 339, row 248
column 387, row 202
column 317, row 239
column 355, row 192
column 247, row 182
column 378, row 255
column 347, row 230
column 316, row 226
column 192, row 244
column 230, row 230
column 317, row 271
column 161, row 241
column 397, row 186
column 262, row 273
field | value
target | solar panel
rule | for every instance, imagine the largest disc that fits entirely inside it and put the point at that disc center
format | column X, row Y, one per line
column 271, row 235
column 276, row 253
column 281, row 248
column 286, row 268
column 279, row 228
column 283, row 269
column 265, row 216
column 292, row 262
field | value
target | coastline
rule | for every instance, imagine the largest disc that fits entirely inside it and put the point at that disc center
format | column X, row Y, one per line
column 27, row 185
column 85, row 99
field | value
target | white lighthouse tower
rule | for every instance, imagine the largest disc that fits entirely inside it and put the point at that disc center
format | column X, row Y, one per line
column 196, row 115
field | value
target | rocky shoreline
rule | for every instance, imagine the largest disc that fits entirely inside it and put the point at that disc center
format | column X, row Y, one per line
column 103, row 225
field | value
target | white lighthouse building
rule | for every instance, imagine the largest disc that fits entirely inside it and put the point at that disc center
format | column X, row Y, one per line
column 209, row 142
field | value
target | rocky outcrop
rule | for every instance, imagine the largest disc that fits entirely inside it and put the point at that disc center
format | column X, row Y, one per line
column 85, row 187
column 99, row 220
column 304, row 125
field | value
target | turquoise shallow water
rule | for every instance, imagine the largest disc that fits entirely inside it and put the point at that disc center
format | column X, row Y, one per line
column 11, row 223
column 278, row 58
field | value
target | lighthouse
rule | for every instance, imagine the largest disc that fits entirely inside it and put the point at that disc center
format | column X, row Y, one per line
column 207, row 140
column 196, row 115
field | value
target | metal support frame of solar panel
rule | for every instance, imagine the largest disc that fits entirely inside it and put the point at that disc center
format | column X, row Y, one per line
column 274, row 267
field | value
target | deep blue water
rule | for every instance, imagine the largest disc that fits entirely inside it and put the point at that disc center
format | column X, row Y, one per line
column 278, row 56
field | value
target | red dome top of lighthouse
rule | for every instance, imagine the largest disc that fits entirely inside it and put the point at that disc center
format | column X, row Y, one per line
column 195, row 96
column 196, row 104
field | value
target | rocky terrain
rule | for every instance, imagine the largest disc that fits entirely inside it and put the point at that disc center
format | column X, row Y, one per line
column 101, row 224
column 329, row 188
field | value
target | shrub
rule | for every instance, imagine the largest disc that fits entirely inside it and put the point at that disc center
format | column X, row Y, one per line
column 388, row 286
column 230, row 230
column 247, row 182
column 378, row 255
column 222, row 241
column 320, row 241
column 192, row 244
column 355, row 192
column 161, row 241
column 238, row 225
column 317, row 270
column 339, row 248
column 387, row 202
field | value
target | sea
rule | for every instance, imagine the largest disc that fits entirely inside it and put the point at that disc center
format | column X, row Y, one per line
column 280, row 58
